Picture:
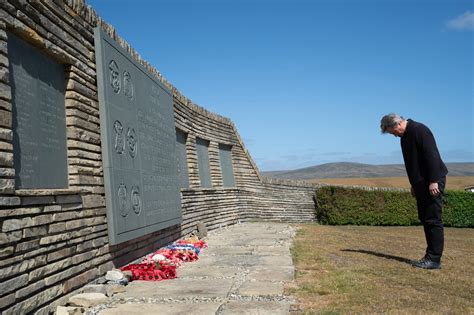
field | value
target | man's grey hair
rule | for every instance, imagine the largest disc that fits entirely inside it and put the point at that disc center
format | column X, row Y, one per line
column 390, row 121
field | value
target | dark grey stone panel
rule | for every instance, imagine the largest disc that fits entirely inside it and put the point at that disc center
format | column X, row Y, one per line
column 181, row 137
column 39, row 119
column 138, row 145
column 202, row 148
column 225, row 155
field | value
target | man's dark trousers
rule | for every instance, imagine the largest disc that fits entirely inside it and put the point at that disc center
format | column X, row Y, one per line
column 430, row 215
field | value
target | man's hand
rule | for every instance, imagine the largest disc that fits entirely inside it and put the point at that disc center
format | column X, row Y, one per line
column 434, row 190
column 412, row 190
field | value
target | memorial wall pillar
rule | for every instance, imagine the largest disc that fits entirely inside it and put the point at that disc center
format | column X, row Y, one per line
column 7, row 171
column 214, row 164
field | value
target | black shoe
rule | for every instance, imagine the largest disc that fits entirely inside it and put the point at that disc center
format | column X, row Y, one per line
column 426, row 257
column 426, row 263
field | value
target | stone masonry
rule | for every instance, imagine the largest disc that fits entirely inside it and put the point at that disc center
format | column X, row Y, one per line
column 55, row 241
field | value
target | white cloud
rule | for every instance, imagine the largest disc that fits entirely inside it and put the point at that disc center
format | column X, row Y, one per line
column 462, row 22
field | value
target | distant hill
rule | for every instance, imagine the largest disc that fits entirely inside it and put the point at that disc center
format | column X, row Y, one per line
column 358, row 170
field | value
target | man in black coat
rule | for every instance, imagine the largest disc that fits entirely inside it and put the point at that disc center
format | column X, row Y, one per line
column 427, row 175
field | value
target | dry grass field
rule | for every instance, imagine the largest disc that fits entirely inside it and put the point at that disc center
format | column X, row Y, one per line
column 366, row 270
column 453, row 182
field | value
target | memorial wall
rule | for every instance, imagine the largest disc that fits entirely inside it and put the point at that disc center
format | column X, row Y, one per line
column 103, row 161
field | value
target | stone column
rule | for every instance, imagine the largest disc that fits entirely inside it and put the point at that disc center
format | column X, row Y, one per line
column 191, row 155
column 215, row 165
column 7, row 171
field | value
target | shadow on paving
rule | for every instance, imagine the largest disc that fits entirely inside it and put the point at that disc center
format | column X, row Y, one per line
column 243, row 270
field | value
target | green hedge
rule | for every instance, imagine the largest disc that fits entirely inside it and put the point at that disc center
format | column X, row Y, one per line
column 340, row 205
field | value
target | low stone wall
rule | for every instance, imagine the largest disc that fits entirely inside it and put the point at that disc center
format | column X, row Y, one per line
column 55, row 241
column 281, row 201
column 213, row 207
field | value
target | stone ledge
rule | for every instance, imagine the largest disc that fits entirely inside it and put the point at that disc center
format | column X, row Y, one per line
column 47, row 192
column 210, row 189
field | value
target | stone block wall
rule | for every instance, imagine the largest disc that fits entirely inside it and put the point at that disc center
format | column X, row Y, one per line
column 54, row 241
column 280, row 200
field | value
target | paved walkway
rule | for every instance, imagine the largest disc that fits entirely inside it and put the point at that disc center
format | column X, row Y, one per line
column 243, row 271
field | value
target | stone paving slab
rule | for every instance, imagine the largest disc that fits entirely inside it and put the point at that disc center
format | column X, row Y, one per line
column 230, row 250
column 256, row 308
column 163, row 308
column 272, row 274
column 260, row 288
column 229, row 260
column 177, row 288
column 243, row 271
column 197, row 271
column 276, row 260
column 276, row 250
column 263, row 241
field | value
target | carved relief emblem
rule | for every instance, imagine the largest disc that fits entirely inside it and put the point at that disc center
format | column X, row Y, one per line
column 119, row 137
column 136, row 200
column 114, row 76
column 122, row 200
column 132, row 142
column 128, row 85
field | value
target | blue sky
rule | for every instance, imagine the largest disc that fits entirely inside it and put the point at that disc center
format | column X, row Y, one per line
column 306, row 82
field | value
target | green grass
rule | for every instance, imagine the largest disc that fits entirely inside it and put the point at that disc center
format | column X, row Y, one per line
column 360, row 269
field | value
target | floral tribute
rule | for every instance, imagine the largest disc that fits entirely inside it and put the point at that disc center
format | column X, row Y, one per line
column 162, row 264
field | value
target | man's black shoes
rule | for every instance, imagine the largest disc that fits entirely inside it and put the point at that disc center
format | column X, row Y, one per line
column 426, row 263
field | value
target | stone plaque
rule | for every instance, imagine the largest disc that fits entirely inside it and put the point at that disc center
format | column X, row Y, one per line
column 225, row 155
column 202, row 148
column 181, row 137
column 138, row 145
column 39, row 119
